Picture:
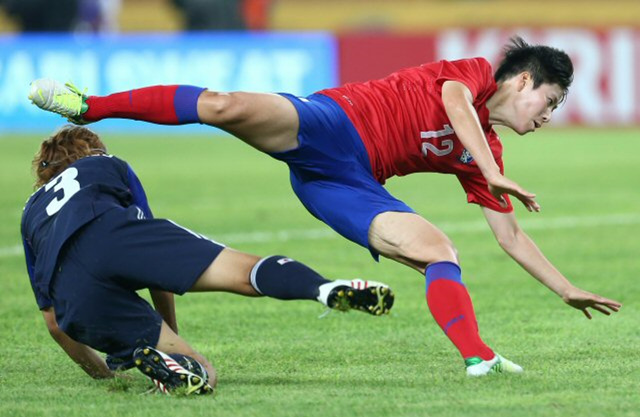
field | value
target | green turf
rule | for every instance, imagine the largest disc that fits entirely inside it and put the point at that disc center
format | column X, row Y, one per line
column 279, row 359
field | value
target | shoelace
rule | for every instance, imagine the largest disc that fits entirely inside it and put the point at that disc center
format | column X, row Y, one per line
column 325, row 313
column 150, row 391
column 69, row 103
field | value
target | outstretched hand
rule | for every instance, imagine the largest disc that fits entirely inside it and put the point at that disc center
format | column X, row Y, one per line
column 582, row 300
column 500, row 185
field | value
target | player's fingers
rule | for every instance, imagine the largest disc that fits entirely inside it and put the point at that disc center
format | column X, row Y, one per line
column 527, row 194
column 586, row 313
column 605, row 302
column 530, row 204
column 535, row 206
column 524, row 193
column 612, row 304
column 601, row 309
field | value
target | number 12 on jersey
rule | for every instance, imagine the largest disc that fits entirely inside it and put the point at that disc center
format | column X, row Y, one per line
column 446, row 144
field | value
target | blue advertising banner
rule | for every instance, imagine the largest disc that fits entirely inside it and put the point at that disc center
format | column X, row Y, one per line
column 297, row 63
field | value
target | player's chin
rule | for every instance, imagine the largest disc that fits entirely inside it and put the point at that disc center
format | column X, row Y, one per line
column 523, row 130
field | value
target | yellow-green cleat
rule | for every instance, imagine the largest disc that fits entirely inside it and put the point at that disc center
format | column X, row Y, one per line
column 64, row 99
column 476, row 366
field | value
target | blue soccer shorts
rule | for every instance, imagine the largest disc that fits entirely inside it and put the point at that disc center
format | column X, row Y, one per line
column 331, row 173
column 103, row 265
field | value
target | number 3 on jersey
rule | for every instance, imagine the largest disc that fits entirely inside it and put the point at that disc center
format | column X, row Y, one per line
column 66, row 182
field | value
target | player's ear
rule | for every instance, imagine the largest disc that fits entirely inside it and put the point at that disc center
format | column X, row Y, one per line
column 523, row 79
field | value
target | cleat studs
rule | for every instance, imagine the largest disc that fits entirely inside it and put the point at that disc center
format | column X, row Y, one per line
column 195, row 380
column 147, row 369
column 384, row 290
column 370, row 308
column 378, row 313
column 183, row 377
column 373, row 290
column 146, row 351
column 156, row 359
column 350, row 294
column 138, row 362
column 341, row 293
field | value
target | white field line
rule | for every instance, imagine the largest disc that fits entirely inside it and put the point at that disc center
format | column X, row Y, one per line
column 11, row 251
column 469, row 227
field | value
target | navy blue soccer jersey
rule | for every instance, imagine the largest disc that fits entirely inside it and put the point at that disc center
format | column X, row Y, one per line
column 85, row 190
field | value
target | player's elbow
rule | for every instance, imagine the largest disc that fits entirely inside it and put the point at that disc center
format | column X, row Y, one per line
column 56, row 332
column 52, row 325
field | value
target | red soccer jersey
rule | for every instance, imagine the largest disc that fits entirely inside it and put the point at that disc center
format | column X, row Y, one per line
column 403, row 124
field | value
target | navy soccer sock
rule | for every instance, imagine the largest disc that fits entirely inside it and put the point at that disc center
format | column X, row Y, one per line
column 285, row 279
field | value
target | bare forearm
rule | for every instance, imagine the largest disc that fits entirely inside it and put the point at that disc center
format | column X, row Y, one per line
column 165, row 305
column 88, row 359
column 524, row 251
column 83, row 355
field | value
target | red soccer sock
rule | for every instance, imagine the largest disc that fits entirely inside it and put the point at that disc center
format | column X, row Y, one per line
column 451, row 307
column 169, row 105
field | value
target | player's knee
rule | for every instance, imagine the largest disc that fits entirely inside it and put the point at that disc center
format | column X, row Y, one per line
column 441, row 251
column 426, row 252
column 220, row 108
column 447, row 251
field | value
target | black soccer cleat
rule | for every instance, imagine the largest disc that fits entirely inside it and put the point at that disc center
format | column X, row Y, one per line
column 369, row 296
column 168, row 374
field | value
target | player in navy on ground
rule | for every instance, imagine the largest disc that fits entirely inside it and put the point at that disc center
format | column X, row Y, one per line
column 341, row 144
column 91, row 241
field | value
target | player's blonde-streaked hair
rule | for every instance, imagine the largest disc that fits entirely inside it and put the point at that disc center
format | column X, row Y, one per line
column 64, row 147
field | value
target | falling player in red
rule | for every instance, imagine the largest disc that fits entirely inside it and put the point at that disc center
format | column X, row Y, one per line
column 341, row 144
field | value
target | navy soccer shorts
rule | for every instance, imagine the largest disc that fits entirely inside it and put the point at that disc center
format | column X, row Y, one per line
column 331, row 173
column 103, row 265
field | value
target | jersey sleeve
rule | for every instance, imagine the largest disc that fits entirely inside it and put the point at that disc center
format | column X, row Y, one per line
column 475, row 73
column 42, row 300
column 138, row 194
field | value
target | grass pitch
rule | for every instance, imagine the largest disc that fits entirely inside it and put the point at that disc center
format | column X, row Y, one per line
column 279, row 359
